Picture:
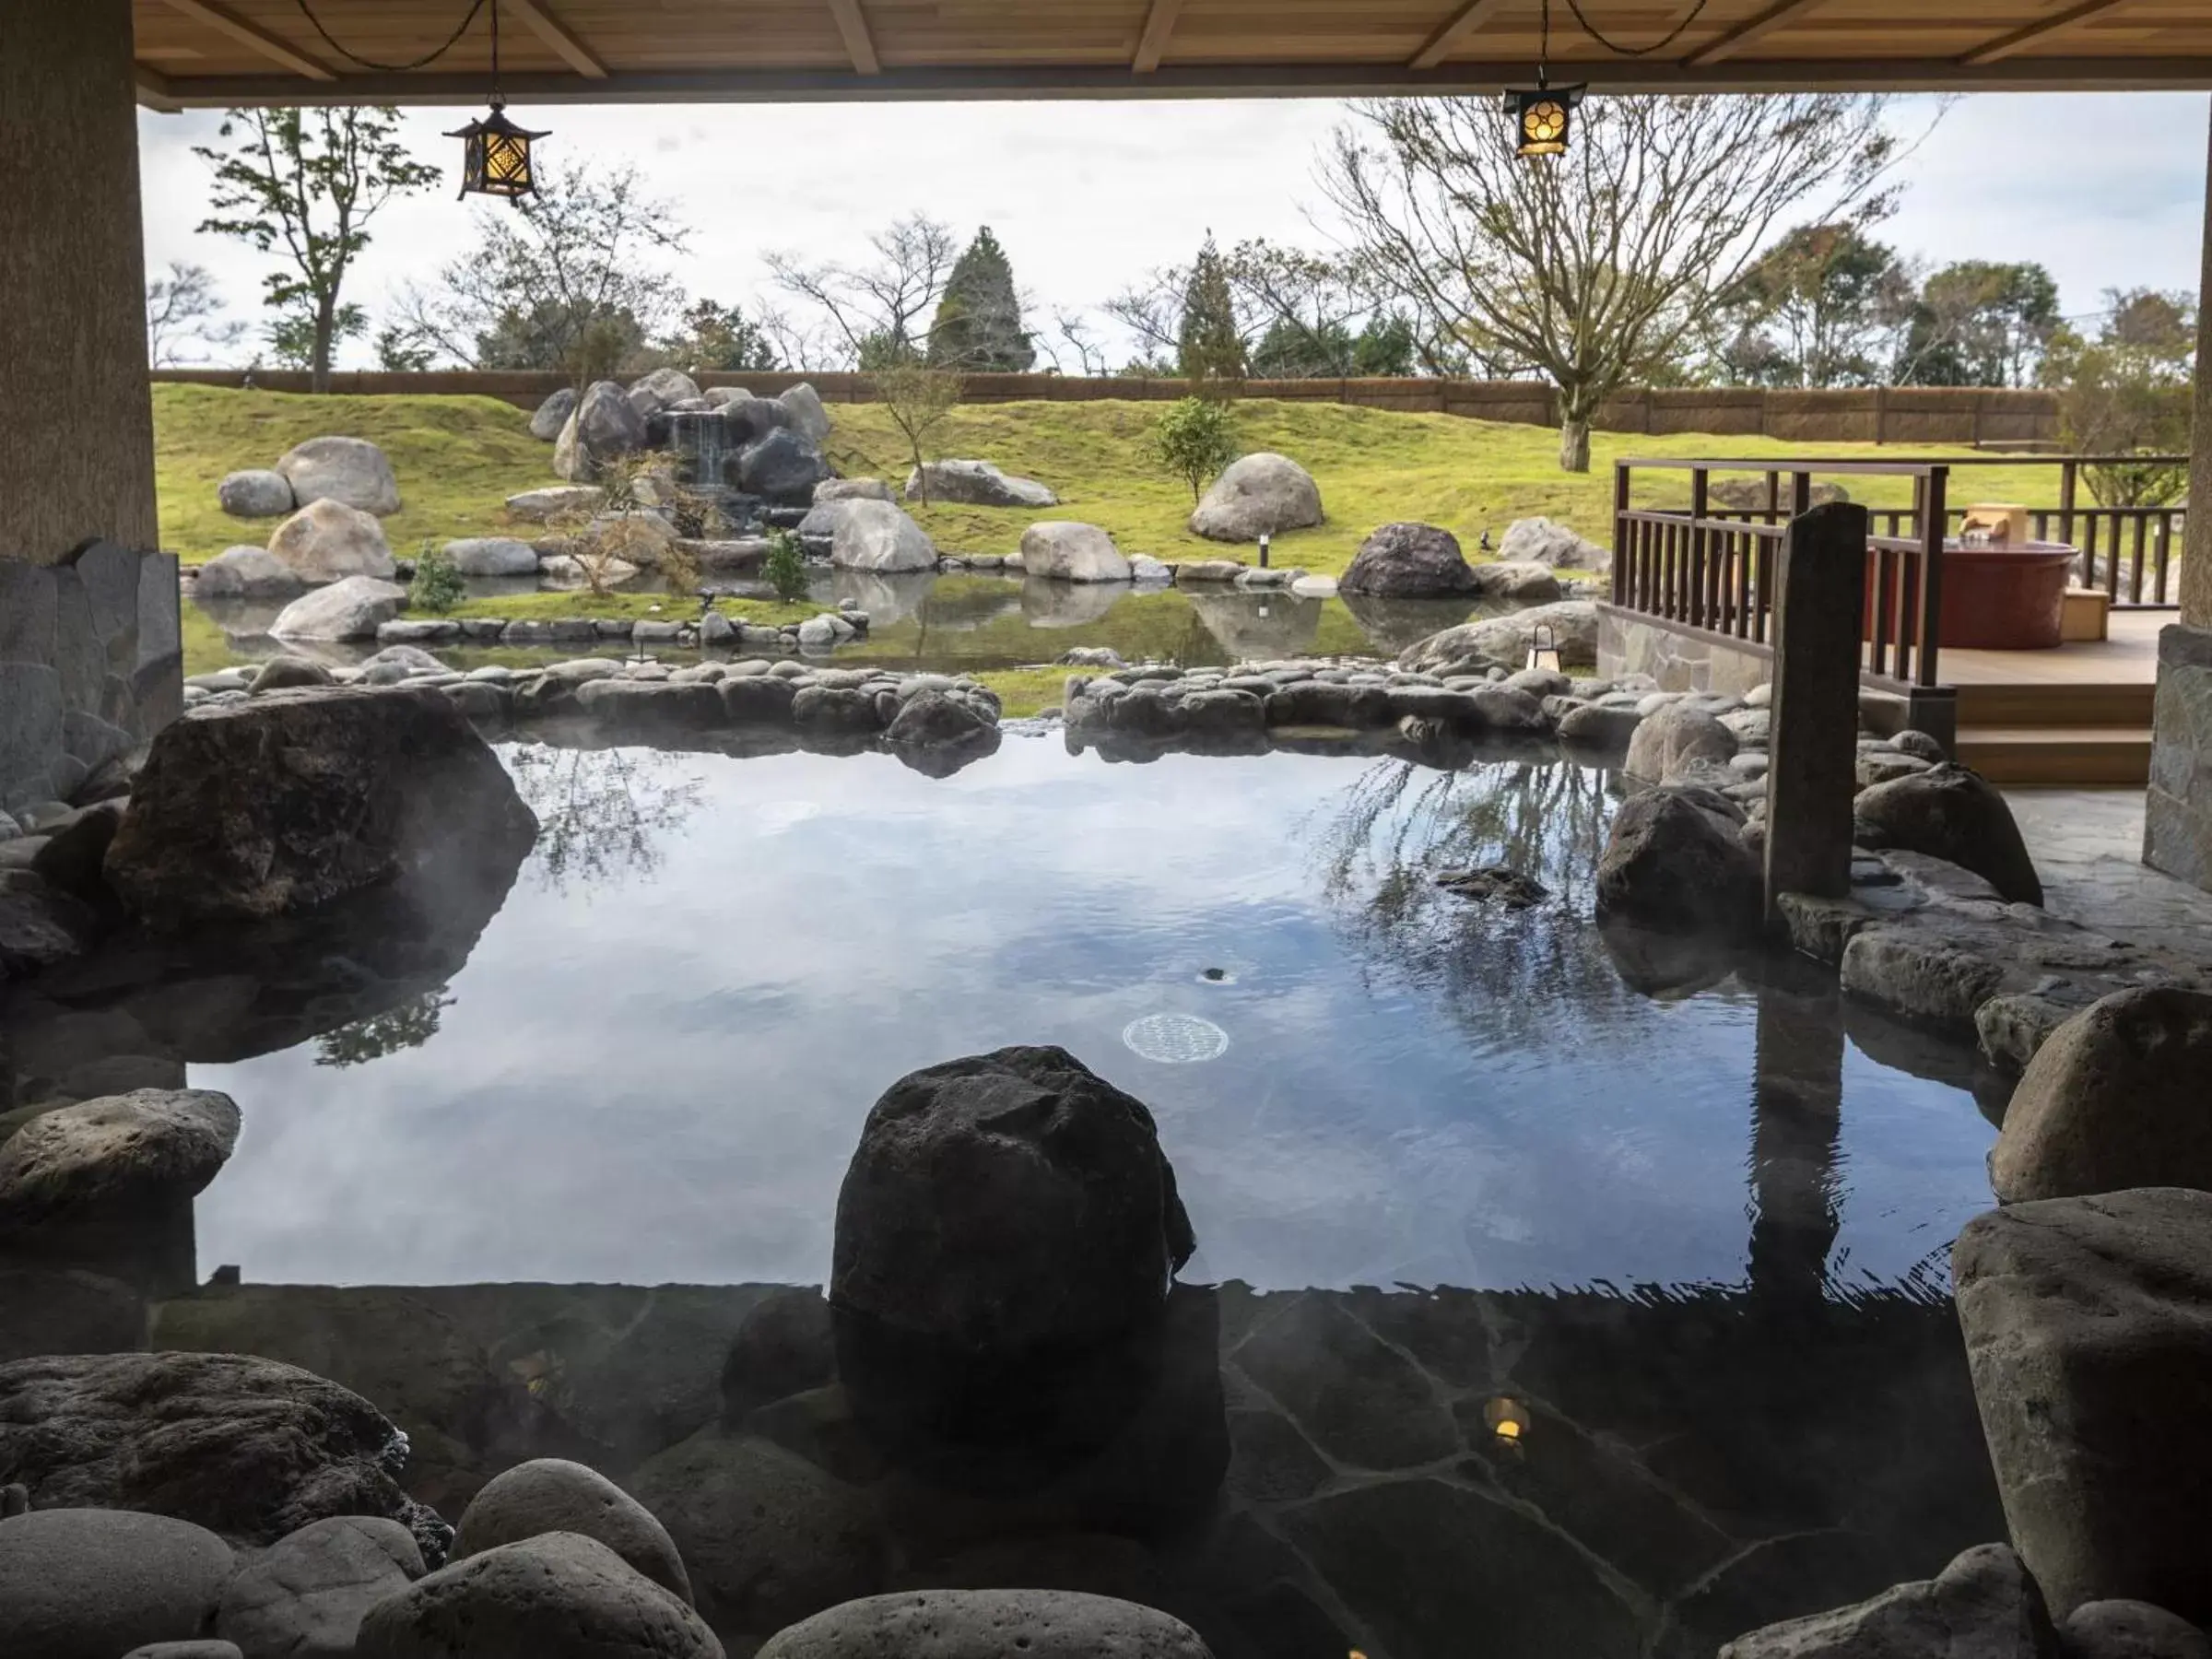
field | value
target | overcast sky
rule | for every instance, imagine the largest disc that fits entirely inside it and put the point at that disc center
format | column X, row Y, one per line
column 1087, row 197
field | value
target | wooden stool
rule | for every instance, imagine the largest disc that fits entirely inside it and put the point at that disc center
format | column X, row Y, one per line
column 2087, row 615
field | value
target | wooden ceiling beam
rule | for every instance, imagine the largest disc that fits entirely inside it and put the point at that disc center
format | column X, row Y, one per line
column 2016, row 40
column 1446, row 41
column 257, row 39
column 548, row 29
column 153, row 88
column 1751, row 32
column 1152, row 45
column 860, row 45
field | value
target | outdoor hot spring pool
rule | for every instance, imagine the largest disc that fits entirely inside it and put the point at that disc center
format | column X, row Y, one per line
column 653, row 1064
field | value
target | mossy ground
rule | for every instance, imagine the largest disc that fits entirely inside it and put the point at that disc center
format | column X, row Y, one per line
column 459, row 458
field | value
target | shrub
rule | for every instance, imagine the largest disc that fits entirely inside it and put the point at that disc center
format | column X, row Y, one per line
column 437, row 587
column 786, row 566
column 1194, row 440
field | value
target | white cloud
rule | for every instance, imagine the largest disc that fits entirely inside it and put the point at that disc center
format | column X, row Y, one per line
column 1087, row 197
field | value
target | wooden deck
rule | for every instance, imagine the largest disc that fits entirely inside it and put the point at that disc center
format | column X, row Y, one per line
column 2080, row 714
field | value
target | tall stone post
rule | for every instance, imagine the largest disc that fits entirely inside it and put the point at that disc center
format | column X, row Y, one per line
column 1798, row 1116
column 89, row 647
column 2177, row 828
column 1812, row 777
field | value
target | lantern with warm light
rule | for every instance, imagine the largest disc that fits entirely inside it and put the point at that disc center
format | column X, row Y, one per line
column 1544, row 648
column 496, row 156
column 1507, row 1420
column 1542, row 118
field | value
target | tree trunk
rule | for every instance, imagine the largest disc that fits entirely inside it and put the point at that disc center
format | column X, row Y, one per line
column 325, row 325
column 1575, row 444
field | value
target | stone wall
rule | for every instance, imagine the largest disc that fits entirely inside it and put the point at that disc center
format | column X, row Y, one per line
column 91, row 664
column 1681, row 659
column 2177, row 833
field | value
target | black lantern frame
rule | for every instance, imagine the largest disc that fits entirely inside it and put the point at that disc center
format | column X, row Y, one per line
column 1543, row 117
column 496, row 156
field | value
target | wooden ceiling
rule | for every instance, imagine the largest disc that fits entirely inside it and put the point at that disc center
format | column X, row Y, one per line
column 196, row 52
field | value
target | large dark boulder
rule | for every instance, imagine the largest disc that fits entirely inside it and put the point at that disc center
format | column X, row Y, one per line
column 1037, row 1624
column 553, row 1495
column 2089, row 1332
column 86, row 1583
column 1410, row 561
column 245, row 1447
column 2119, row 1096
column 1676, row 861
column 557, row 1597
column 1677, row 739
column 292, row 799
column 1952, row 813
column 782, row 467
column 1983, row 1605
column 1008, row 1201
column 305, row 1598
column 602, row 425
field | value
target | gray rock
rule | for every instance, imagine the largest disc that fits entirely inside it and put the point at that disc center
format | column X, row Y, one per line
column 975, row 484
column 351, row 470
column 259, row 493
column 1921, row 746
column 2130, row 1629
column 1554, row 545
column 1675, row 861
column 119, row 1155
column 89, row 1584
column 1316, row 702
column 2115, row 1097
column 931, row 719
column 768, row 1536
column 2089, row 1333
column 1951, row 813
column 1668, row 743
column 223, row 824
column 1206, row 571
column 552, row 1495
column 555, row 1596
column 1540, row 682
column 492, row 556
column 803, row 406
column 1983, row 1605
column 602, row 425
column 817, row 632
column 552, row 414
column 328, row 541
column 1504, row 641
column 1061, row 1225
column 251, row 1449
column 1526, row 582
column 246, row 573
column 305, row 1597
column 1063, row 550
column 836, row 711
column 651, row 394
column 757, row 699
column 783, row 467
column 878, row 536
column 850, row 489
column 1410, row 561
column 351, row 609
column 988, row 1624
column 538, row 506
column 645, row 707
column 1262, row 494
column 207, row 1648
column 1600, row 726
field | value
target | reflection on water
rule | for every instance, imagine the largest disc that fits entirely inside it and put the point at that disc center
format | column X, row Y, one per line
column 1450, row 1159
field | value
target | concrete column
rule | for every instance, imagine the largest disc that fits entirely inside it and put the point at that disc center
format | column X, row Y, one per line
column 2176, row 834
column 90, row 660
column 1820, row 598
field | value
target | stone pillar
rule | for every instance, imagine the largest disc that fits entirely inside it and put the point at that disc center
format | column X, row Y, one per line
column 1820, row 598
column 2177, row 825
column 90, row 657
column 1797, row 1118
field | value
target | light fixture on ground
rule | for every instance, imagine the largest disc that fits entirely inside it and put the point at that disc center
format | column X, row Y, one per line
column 495, row 152
column 1506, row 1419
column 1544, row 648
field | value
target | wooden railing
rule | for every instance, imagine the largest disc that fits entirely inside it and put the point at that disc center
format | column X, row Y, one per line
column 2127, row 553
column 1714, row 569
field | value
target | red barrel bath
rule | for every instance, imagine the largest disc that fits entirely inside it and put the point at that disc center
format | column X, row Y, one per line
column 1995, row 598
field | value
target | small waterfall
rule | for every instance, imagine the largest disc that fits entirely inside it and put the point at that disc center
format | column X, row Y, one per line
column 697, row 437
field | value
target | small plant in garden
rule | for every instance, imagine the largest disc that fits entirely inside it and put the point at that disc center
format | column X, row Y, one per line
column 786, row 567
column 697, row 515
column 1194, row 440
column 679, row 567
column 437, row 587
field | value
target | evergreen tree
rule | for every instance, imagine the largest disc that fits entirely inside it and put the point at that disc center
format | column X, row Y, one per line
column 1209, row 342
column 978, row 326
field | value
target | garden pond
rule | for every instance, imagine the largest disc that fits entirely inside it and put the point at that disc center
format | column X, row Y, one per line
column 1681, row 1222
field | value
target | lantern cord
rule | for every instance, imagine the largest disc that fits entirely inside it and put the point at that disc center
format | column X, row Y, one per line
column 1615, row 47
column 423, row 61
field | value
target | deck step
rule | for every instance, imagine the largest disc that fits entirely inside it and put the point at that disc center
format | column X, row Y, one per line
column 2058, row 754
column 2078, row 705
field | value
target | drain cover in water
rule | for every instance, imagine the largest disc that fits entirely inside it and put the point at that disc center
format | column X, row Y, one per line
column 1176, row 1039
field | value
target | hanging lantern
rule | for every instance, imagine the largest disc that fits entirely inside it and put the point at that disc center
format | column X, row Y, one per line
column 496, row 156
column 1542, row 118
column 495, row 153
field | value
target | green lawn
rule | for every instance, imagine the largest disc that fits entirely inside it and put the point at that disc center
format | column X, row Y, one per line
column 625, row 607
column 459, row 458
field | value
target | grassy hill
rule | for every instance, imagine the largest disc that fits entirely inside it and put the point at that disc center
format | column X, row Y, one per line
column 459, row 458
